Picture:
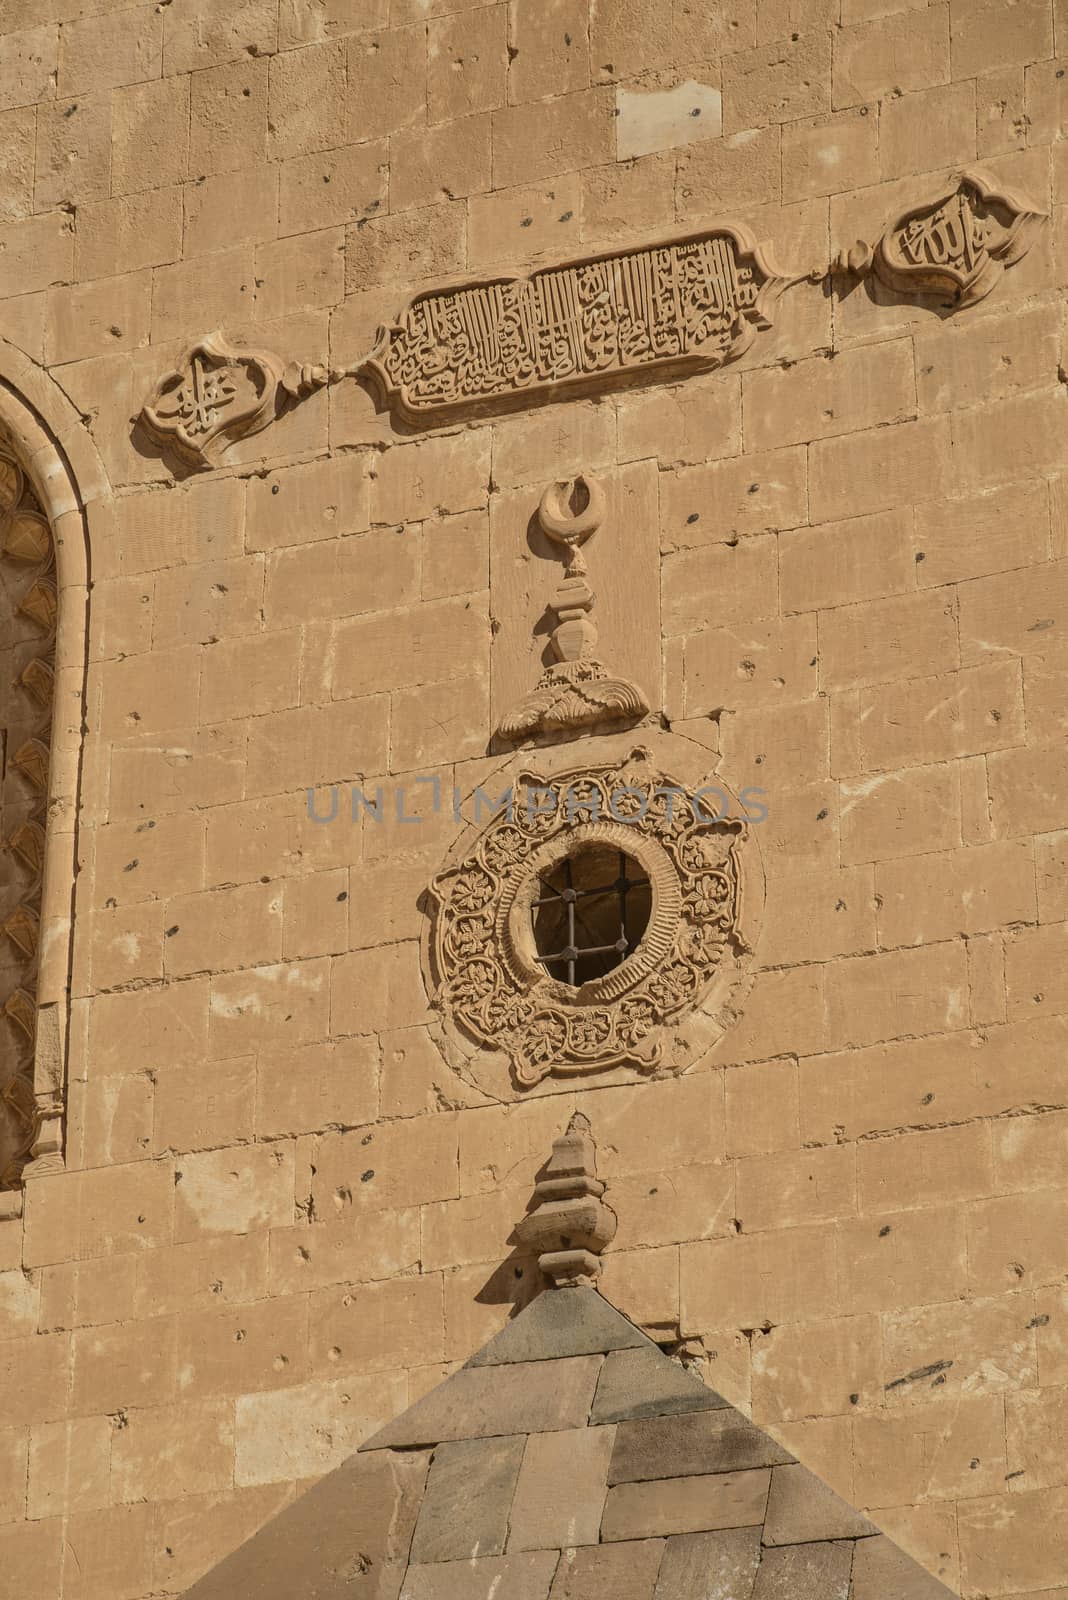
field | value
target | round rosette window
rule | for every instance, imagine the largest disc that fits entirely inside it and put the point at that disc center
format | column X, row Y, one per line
column 586, row 919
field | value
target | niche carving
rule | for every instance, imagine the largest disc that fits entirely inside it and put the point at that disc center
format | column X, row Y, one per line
column 28, row 647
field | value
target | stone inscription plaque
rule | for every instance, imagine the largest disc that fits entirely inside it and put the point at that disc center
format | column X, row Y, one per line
column 691, row 303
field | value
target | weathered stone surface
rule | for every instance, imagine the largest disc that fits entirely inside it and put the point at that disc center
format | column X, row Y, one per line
column 838, row 567
column 801, row 1509
column 530, row 1397
column 685, row 1505
column 464, row 1513
column 662, row 119
column 712, row 1564
column 572, row 1322
column 520, row 1577
column 307, row 1428
column 620, row 1571
column 348, row 1536
column 561, row 1490
column 881, row 1570
column 681, row 1446
column 805, row 1572
column 647, row 1383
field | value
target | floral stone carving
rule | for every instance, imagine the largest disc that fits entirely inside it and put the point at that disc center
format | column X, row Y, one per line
column 575, row 691
column 220, row 392
column 955, row 247
column 686, row 304
column 488, row 977
column 27, row 571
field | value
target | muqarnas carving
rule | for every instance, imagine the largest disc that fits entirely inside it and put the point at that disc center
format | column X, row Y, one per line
column 576, row 691
column 27, row 571
column 686, row 304
column 490, row 979
column 954, row 248
column 220, row 392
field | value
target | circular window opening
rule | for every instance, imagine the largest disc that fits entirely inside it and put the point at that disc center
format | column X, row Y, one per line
column 590, row 913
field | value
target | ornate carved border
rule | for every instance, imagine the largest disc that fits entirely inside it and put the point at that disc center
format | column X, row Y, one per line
column 484, row 976
column 27, row 552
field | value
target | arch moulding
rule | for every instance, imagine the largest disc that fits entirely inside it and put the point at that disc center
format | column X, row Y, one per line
column 43, row 431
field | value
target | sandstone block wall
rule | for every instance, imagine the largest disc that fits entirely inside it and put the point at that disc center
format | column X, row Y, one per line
column 281, row 1217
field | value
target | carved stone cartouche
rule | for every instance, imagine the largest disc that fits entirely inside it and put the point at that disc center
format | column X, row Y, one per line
column 683, row 304
column 221, row 392
column 953, row 248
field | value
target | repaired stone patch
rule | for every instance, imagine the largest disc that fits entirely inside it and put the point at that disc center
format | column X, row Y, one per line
column 662, row 119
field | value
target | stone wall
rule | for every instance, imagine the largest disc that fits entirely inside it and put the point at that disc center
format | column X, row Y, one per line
column 280, row 1215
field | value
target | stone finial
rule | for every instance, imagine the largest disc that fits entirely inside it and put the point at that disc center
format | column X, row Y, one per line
column 575, row 691
column 570, row 1224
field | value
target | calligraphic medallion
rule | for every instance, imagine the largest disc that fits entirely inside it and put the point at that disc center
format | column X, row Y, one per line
column 955, row 247
column 220, row 392
column 687, row 304
column 493, row 986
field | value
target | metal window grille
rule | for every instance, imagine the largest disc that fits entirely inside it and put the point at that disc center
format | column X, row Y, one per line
column 582, row 940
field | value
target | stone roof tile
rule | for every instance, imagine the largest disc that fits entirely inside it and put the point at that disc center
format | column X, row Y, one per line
column 643, row 1383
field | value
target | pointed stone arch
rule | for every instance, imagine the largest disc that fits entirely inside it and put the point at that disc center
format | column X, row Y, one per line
column 52, row 489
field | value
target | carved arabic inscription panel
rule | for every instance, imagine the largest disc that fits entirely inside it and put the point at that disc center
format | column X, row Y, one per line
column 694, row 302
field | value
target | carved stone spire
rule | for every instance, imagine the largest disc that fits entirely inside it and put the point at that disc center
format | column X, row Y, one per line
column 570, row 1224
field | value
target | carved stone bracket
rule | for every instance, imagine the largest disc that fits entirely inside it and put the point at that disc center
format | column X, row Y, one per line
column 220, row 392
column 26, row 548
column 576, row 691
column 954, row 248
column 570, row 1224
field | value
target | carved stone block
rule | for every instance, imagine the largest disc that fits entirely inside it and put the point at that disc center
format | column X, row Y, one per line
column 576, row 691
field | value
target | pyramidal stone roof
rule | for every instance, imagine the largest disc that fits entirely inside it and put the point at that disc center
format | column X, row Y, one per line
column 570, row 1459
